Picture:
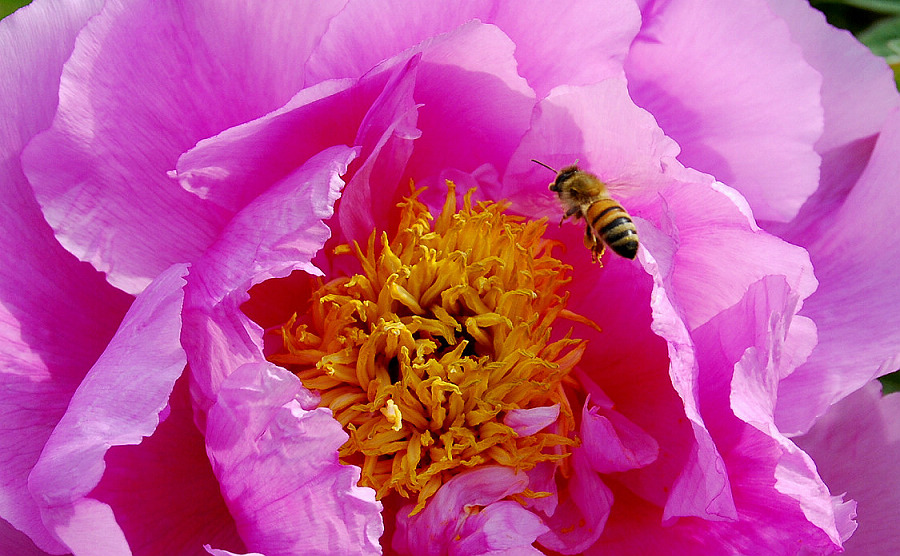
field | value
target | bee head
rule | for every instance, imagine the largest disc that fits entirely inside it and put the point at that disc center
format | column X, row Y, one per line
column 564, row 175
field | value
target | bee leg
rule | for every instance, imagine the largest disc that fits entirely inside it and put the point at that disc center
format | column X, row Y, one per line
column 591, row 242
column 569, row 213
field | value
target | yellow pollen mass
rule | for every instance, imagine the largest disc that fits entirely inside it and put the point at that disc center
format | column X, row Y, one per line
column 445, row 329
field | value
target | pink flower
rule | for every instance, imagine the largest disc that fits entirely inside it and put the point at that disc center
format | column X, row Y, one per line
column 466, row 382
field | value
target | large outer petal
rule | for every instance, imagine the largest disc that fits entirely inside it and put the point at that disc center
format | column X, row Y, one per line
column 856, row 309
column 856, row 446
column 163, row 491
column 739, row 98
column 146, row 81
column 117, row 403
column 56, row 314
column 858, row 94
column 356, row 39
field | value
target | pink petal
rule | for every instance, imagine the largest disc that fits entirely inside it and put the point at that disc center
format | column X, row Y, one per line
column 503, row 527
column 749, row 120
column 163, row 491
column 856, row 446
column 433, row 531
column 146, row 82
column 356, row 39
column 117, row 403
column 279, row 232
column 612, row 443
column 17, row 542
column 44, row 360
column 775, row 484
column 603, row 33
column 859, row 341
column 530, row 421
column 858, row 94
column 307, row 502
column 858, row 88
column 237, row 165
column 579, row 519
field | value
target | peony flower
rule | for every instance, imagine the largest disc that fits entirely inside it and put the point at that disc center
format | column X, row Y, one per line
column 284, row 279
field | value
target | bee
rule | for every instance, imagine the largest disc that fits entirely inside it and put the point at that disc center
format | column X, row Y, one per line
column 584, row 195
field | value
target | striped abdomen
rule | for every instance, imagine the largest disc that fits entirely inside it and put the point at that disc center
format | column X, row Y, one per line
column 612, row 224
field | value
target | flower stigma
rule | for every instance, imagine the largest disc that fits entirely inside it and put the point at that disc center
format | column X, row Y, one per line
column 446, row 329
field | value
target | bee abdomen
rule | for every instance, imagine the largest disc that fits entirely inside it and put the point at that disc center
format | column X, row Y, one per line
column 615, row 227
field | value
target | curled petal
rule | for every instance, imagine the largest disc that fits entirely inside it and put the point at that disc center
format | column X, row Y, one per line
column 118, row 403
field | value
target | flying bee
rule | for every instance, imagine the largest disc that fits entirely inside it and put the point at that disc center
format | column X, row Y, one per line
column 584, row 195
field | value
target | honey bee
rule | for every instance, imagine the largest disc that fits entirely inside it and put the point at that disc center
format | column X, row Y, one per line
column 584, row 195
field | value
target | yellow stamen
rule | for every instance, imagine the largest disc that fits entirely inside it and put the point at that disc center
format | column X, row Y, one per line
column 446, row 328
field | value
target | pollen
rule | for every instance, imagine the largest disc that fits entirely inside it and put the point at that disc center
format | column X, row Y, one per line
column 447, row 327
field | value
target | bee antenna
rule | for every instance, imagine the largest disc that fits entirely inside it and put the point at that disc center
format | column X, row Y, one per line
column 544, row 165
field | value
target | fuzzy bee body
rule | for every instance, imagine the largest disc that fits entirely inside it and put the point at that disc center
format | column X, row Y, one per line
column 584, row 195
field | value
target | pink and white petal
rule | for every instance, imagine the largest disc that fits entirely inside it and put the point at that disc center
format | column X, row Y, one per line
column 118, row 403
column 278, row 468
column 279, row 232
column 146, row 81
column 531, row 421
column 431, row 132
column 163, row 491
column 589, row 42
column 584, row 506
column 220, row 552
column 43, row 359
column 856, row 446
column 858, row 342
column 701, row 487
column 750, row 121
column 433, row 531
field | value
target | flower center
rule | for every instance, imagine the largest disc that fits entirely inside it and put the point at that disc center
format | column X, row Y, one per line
column 424, row 354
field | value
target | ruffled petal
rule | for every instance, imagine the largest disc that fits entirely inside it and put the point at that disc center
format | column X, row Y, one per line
column 856, row 447
column 146, row 81
column 118, row 403
column 859, row 341
column 749, row 120
column 279, row 232
column 309, row 502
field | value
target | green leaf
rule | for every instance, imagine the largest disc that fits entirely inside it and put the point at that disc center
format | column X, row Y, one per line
column 890, row 383
column 9, row 6
column 880, row 6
